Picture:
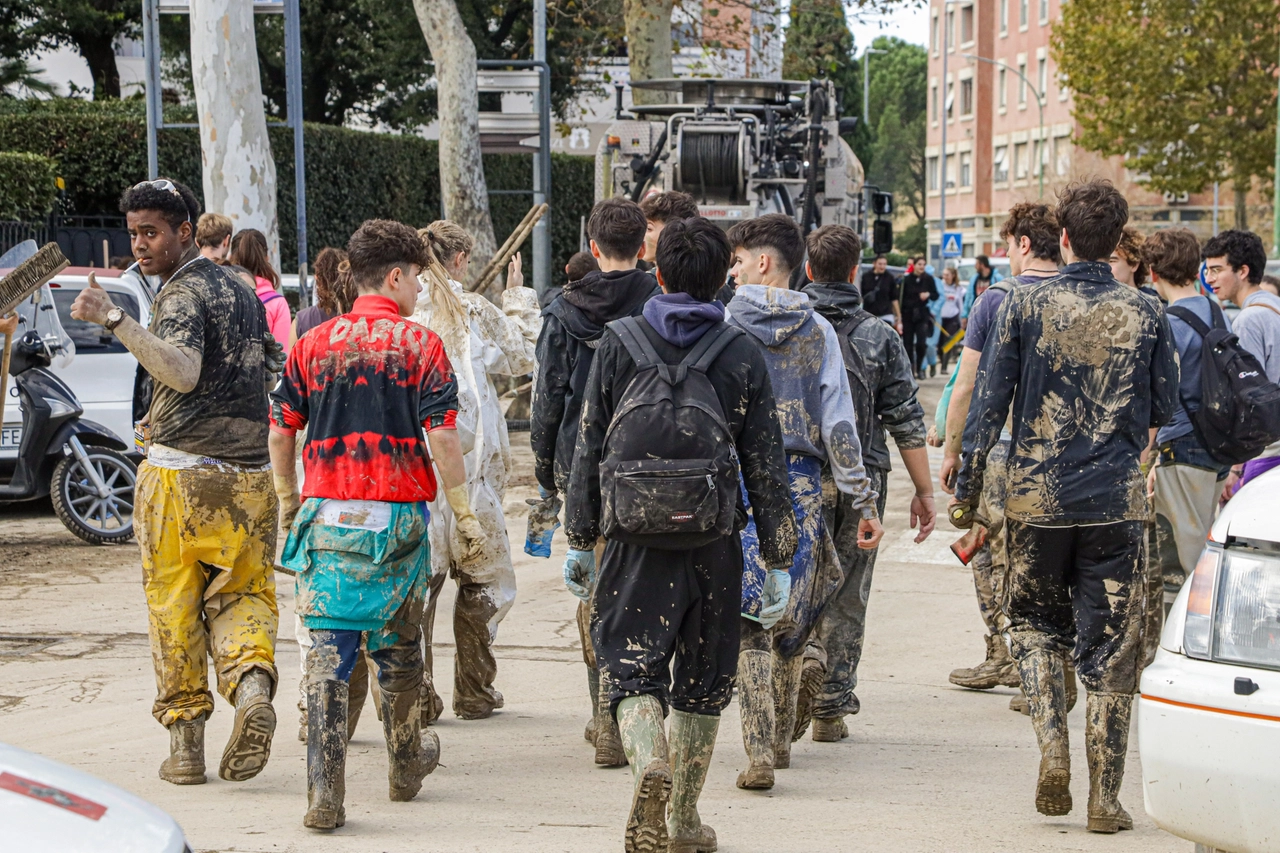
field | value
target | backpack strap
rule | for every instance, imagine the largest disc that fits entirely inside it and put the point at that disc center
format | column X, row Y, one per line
column 641, row 349
column 709, row 347
column 272, row 297
column 850, row 324
column 1187, row 316
column 1003, row 285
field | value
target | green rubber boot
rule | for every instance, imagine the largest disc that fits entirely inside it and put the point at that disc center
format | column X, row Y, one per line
column 693, row 739
column 645, row 743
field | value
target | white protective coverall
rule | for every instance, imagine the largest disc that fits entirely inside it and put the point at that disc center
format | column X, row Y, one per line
column 497, row 342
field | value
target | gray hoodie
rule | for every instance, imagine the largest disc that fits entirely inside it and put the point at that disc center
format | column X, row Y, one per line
column 809, row 381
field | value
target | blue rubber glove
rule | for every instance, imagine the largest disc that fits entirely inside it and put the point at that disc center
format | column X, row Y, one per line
column 774, row 598
column 544, row 518
column 580, row 573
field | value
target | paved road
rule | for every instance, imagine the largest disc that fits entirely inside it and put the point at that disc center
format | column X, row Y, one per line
column 928, row 767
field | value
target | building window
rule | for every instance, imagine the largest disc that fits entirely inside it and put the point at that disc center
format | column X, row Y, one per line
column 1022, row 84
column 1023, row 13
column 966, row 162
column 949, row 170
column 1037, row 157
column 966, row 24
column 933, row 34
column 1004, row 17
column 933, row 100
column 1062, row 154
column 1000, row 165
column 1044, row 12
column 950, row 106
column 1020, row 161
column 933, row 174
column 1042, row 75
column 1001, row 96
column 950, row 35
column 966, row 97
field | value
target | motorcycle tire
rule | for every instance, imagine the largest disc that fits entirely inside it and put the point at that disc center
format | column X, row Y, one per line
column 78, row 505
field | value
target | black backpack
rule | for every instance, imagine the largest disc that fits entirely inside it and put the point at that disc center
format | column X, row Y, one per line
column 1239, row 412
column 856, row 366
column 669, row 471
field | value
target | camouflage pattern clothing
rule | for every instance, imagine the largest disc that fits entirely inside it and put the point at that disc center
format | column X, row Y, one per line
column 1089, row 366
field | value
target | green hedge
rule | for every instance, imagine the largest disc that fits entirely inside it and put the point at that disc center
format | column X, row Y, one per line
column 351, row 175
column 27, row 185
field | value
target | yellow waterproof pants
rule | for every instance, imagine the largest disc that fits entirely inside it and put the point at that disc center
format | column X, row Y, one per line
column 208, row 539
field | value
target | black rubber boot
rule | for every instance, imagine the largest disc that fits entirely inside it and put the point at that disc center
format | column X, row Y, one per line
column 1106, row 738
column 326, row 754
column 411, row 753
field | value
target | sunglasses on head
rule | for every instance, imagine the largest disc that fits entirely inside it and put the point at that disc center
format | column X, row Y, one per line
column 164, row 186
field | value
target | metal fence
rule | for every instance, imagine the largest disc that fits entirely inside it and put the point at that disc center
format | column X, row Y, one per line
column 87, row 241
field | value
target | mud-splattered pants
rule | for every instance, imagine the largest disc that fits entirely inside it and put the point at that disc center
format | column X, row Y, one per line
column 990, row 564
column 652, row 605
column 1188, row 483
column 843, row 626
column 208, row 542
column 1080, row 586
column 395, row 648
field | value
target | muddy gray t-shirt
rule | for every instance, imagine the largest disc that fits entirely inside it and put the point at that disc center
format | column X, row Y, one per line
column 212, row 311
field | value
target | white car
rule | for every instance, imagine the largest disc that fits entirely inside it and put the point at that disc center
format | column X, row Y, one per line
column 102, row 373
column 1209, row 714
column 47, row 807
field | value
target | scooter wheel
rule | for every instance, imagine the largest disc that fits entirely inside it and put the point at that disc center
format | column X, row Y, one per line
column 95, row 519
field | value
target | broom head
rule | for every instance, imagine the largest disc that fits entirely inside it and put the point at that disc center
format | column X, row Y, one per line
column 31, row 275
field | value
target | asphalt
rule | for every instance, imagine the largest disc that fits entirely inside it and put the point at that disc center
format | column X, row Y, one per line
column 929, row 767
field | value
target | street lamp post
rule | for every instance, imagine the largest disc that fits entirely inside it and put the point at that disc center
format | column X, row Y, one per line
column 866, row 119
column 942, row 160
column 1039, row 103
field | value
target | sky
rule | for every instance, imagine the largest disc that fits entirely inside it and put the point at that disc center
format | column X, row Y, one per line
column 908, row 22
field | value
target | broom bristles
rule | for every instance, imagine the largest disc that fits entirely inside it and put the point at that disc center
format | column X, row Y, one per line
column 31, row 275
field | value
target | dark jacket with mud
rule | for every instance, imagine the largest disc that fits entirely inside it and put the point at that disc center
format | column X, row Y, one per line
column 741, row 382
column 571, row 328
column 1089, row 366
column 884, row 395
column 815, row 404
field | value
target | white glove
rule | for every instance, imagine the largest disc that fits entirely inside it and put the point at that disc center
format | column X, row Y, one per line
column 580, row 573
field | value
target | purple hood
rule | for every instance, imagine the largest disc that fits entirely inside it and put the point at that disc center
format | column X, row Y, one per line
column 680, row 319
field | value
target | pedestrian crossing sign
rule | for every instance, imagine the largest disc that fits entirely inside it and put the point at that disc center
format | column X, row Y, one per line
column 950, row 244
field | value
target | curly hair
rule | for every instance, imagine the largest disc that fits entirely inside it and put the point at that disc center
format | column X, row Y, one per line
column 1037, row 223
column 669, row 206
column 1174, row 255
column 1240, row 248
column 1130, row 248
column 178, row 205
column 1093, row 213
column 327, row 279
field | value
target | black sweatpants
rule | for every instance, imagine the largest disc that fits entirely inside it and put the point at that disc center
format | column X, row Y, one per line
column 915, row 337
column 652, row 605
column 1080, row 587
column 950, row 325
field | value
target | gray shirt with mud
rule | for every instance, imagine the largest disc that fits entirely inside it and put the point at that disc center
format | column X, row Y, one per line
column 815, row 406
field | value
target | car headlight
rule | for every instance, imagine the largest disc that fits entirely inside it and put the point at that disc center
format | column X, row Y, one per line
column 1246, row 622
column 1233, row 609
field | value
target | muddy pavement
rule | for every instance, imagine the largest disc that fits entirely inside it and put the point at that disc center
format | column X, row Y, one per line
column 927, row 767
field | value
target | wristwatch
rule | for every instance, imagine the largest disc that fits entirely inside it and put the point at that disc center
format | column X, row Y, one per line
column 114, row 318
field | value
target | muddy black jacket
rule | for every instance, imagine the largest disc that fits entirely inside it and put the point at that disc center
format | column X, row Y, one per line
column 741, row 381
column 571, row 327
column 1089, row 366
column 884, row 397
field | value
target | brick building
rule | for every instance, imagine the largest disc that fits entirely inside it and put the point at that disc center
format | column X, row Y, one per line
column 996, row 142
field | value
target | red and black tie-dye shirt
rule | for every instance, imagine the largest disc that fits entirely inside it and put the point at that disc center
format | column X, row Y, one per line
column 365, row 385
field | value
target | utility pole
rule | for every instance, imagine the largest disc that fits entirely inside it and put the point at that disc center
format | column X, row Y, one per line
column 942, row 160
column 542, row 161
column 866, row 121
column 1275, row 182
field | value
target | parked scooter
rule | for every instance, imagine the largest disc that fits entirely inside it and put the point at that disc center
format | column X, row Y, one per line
column 79, row 463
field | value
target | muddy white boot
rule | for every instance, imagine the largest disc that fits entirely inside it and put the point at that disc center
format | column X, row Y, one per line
column 1106, row 738
column 609, row 751
column 998, row 668
column 412, row 754
column 185, row 764
column 692, row 740
column 327, row 709
column 249, row 747
column 786, row 687
column 755, row 692
column 1043, row 685
column 645, row 742
column 829, row 731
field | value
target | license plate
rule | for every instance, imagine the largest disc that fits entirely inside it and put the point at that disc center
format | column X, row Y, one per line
column 11, row 437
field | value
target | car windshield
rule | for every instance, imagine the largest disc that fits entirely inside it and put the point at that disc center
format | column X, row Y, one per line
column 90, row 338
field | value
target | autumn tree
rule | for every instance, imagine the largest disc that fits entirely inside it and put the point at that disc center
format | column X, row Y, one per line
column 1195, row 101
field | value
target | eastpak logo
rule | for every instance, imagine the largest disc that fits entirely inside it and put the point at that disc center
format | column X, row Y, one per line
column 681, row 516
